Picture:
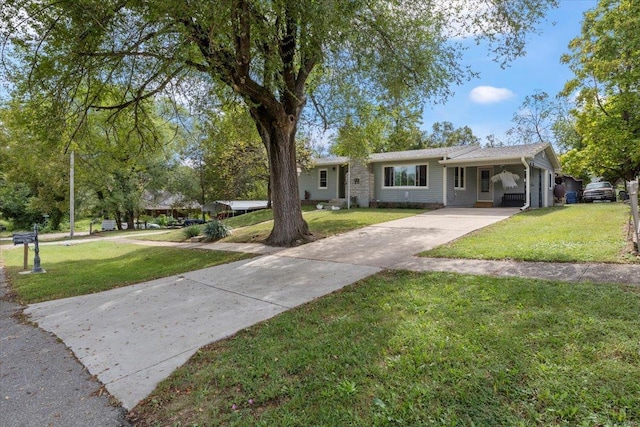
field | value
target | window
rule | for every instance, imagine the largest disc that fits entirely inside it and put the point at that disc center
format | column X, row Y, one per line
column 405, row 176
column 458, row 178
column 485, row 181
column 322, row 179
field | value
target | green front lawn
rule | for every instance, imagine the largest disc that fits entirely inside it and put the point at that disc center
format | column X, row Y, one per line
column 324, row 223
column 582, row 233
column 93, row 267
column 255, row 227
column 421, row 349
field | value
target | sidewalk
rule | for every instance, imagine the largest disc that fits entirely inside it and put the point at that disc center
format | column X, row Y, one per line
column 133, row 337
column 628, row 274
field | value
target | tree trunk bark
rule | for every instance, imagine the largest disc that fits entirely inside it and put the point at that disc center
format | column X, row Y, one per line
column 118, row 216
column 289, row 228
column 131, row 219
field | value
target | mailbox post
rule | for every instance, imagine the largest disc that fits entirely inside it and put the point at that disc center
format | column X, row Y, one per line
column 36, row 260
column 25, row 238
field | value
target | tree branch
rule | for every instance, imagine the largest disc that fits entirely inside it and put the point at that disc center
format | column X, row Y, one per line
column 140, row 96
column 242, row 34
column 287, row 50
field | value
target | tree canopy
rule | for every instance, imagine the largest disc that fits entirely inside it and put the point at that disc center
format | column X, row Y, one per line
column 606, row 63
column 444, row 134
column 113, row 165
column 534, row 120
column 269, row 54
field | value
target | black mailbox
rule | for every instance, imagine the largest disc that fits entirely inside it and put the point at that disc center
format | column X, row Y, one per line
column 28, row 237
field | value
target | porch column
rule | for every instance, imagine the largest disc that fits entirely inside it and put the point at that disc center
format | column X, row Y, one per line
column 527, row 189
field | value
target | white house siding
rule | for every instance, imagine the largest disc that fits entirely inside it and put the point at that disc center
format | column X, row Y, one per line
column 431, row 194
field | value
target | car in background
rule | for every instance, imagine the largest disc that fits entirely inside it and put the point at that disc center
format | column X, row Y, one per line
column 146, row 225
column 601, row 190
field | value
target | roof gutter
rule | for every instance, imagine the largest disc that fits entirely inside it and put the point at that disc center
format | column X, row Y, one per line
column 527, row 189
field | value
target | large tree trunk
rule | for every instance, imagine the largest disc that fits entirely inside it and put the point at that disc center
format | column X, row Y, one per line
column 289, row 228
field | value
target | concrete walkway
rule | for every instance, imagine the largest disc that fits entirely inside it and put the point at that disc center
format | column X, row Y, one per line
column 131, row 338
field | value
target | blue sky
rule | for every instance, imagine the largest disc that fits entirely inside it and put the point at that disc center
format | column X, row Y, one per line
column 540, row 69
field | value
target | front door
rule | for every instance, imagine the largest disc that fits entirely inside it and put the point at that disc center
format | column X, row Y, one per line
column 485, row 189
column 342, row 182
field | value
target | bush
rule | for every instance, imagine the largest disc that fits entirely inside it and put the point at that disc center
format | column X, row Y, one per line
column 192, row 231
column 216, row 230
column 162, row 220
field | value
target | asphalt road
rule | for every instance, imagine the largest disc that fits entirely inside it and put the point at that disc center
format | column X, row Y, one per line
column 42, row 383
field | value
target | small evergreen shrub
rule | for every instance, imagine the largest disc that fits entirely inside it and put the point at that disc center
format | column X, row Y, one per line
column 192, row 231
column 216, row 230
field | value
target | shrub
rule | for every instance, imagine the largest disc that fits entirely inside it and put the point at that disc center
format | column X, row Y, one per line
column 192, row 231
column 162, row 220
column 215, row 230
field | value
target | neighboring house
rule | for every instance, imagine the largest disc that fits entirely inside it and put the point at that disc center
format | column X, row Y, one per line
column 171, row 205
column 449, row 176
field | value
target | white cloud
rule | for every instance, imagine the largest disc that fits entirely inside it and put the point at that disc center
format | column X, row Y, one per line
column 490, row 94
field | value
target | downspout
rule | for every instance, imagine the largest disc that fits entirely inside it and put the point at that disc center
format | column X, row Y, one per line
column 527, row 188
column 444, row 185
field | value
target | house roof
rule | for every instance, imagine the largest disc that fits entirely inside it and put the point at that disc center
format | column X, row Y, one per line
column 513, row 153
column 331, row 161
column 165, row 201
column 238, row 205
column 425, row 153
column 466, row 155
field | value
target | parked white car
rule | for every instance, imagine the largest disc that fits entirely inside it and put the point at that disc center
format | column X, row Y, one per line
column 602, row 190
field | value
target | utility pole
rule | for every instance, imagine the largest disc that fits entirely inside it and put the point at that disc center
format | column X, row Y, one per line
column 349, row 184
column 72, row 210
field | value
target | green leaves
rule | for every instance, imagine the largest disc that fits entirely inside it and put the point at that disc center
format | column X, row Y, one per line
column 606, row 63
column 263, row 52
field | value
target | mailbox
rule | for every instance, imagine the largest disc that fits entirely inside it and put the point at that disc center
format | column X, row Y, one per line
column 19, row 238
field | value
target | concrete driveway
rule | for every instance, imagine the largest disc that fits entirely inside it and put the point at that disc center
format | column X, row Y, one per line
column 131, row 338
column 390, row 243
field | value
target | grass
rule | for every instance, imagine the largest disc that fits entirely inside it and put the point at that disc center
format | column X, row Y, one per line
column 255, row 227
column 323, row 223
column 250, row 218
column 99, row 266
column 239, row 221
column 421, row 349
column 400, row 348
column 582, row 233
